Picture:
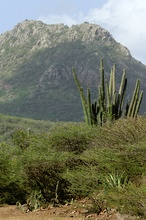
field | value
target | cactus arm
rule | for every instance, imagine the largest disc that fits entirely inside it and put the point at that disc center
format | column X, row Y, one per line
column 122, row 92
column 94, row 112
column 102, row 93
column 114, row 79
column 132, row 103
column 89, row 109
column 135, row 99
column 111, row 82
column 138, row 104
column 122, row 82
column 121, row 105
column 109, row 104
column 82, row 96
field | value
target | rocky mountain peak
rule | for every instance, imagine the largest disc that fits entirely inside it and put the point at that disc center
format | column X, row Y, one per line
column 36, row 67
column 39, row 35
column 92, row 31
column 30, row 36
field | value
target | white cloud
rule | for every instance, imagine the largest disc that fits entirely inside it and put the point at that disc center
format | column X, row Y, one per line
column 125, row 19
column 126, row 22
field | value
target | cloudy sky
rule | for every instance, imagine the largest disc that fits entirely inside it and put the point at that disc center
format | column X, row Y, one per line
column 124, row 19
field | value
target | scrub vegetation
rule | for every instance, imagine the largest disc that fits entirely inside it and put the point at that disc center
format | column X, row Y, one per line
column 58, row 163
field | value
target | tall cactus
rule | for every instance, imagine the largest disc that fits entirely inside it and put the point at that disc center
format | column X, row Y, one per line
column 82, row 96
column 135, row 101
column 110, row 103
column 89, row 108
column 121, row 95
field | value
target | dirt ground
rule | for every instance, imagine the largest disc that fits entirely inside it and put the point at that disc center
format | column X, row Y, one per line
column 58, row 213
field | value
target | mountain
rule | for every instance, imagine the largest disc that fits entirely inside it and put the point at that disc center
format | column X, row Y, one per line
column 36, row 61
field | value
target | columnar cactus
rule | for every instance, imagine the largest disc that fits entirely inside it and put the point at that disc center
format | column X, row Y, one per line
column 82, row 96
column 110, row 103
column 135, row 101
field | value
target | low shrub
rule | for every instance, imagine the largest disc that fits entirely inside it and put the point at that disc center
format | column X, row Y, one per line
column 71, row 138
column 128, row 200
column 123, row 131
column 75, row 161
column 12, row 193
column 46, row 177
column 11, row 186
column 84, row 180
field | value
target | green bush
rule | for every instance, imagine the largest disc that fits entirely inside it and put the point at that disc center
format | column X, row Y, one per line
column 123, row 131
column 128, row 200
column 22, row 138
column 12, row 193
column 71, row 138
column 11, row 186
column 84, row 180
column 46, row 177
column 106, row 164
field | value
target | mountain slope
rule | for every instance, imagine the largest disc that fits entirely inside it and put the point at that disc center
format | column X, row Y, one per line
column 36, row 63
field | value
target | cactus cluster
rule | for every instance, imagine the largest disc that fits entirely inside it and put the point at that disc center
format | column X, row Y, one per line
column 109, row 105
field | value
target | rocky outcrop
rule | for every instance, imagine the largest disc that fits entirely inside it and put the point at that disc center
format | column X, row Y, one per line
column 36, row 66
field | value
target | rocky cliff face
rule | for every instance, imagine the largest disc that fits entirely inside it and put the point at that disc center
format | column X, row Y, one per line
column 36, row 63
column 38, row 35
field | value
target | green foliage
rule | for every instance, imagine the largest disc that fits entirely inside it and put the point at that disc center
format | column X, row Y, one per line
column 34, row 200
column 106, row 164
column 130, row 200
column 11, row 187
column 12, row 193
column 45, row 177
column 123, row 131
column 71, row 139
column 84, row 180
column 110, row 104
column 12, row 125
column 36, row 83
column 118, row 180
column 21, row 138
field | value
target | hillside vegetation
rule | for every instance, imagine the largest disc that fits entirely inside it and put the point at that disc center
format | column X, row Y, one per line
column 45, row 163
column 63, row 162
column 36, row 63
